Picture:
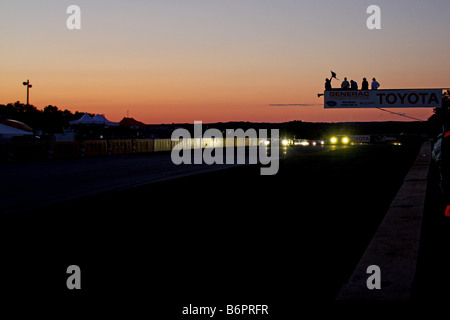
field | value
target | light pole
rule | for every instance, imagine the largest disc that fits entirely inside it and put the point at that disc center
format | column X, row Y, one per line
column 28, row 90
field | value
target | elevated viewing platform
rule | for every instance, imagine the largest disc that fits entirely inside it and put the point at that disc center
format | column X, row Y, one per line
column 385, row 98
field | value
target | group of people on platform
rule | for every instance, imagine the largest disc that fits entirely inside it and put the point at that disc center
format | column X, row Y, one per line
column 352, row 85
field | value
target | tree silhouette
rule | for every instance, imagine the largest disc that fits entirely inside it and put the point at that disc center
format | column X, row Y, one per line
column 50, row 120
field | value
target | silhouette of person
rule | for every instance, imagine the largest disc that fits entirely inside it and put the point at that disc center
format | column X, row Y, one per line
column 365, row 84
column 328, row 84
column 353, row 85
column 375, row 84
column 345, row 84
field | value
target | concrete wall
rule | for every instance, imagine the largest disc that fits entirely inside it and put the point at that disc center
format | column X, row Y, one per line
column 30, row 151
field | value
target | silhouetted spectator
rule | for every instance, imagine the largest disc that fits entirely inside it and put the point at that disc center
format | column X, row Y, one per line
column 375, row 84
column 328, row 84
column 345, row 84
column 353, row 85
column 365, row 84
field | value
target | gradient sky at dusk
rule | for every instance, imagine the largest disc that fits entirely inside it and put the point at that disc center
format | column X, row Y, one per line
column 169, row 61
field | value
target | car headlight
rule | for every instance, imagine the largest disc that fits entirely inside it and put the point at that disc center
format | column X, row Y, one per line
column 333, row 140
column 284, row 142
column 345, row 140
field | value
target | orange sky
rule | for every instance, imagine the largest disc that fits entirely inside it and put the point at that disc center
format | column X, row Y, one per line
column 180, row 61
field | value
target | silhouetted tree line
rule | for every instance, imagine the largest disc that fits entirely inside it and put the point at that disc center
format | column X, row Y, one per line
column 50, row 120
column 53, row 120
column 317, row 130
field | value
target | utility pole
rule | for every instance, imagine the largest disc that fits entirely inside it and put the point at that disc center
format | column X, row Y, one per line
column 28, row 90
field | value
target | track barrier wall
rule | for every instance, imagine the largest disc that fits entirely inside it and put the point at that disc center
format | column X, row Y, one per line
column 64, row 150
column 28, row 151
column 162, row 145
column 32, row 151
column 120, row 146
column 94, row 148
column 3, row 152
column 143, row 145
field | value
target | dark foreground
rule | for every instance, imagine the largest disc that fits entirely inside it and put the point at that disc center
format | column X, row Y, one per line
column 433, row 266
column 228, row 237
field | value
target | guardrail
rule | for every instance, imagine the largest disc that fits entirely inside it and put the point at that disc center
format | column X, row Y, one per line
column 39, row 151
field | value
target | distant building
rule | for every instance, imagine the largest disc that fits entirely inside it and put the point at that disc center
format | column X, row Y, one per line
column 67, row 135
column 131, row 123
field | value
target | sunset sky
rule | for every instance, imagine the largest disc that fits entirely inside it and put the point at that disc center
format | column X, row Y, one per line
column 169, row 61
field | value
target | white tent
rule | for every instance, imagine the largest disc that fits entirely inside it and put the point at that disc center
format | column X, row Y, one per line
column 100, row 119
column 85, row 119
column 7, row 132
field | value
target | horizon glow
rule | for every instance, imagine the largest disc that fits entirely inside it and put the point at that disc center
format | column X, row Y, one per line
column 219, row 61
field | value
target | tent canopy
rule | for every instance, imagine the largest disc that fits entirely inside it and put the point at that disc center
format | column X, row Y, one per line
column 17, row 124
column 85, row 119
column 98, row 119
column 8, row 131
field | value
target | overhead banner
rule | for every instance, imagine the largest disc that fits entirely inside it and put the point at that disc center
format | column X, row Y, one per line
column 400, row 98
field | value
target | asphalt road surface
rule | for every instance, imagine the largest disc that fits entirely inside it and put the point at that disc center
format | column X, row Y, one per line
column 225, row 237
column 30, row 185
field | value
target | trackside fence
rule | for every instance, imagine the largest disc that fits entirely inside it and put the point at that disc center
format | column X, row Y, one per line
column 39, row 151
